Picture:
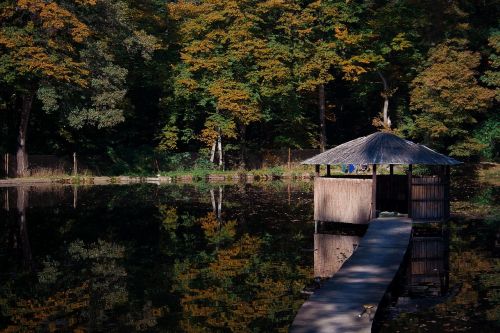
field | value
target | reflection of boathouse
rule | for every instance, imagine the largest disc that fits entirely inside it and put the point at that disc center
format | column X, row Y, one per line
column 427, row 273
column 331, row 251
column 357, row 198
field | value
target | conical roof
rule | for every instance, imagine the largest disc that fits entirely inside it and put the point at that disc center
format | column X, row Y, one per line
column 381, row 148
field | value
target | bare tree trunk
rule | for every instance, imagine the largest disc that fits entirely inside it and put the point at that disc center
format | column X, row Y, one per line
column 21, row 156
column 219, row 145
column 385, row 96
column 212, row 156
column 322, row 125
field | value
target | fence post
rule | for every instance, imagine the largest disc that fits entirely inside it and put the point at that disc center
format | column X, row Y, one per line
column 6, row 164
column 289, row 158
column 75, row 165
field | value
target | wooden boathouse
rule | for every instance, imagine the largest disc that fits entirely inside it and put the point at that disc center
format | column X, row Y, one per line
column 358, row 198
column 348, row 301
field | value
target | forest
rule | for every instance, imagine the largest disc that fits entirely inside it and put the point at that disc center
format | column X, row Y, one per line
column 124, row 82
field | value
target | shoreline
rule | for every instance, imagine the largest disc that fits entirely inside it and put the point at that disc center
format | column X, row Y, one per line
column 181, row 179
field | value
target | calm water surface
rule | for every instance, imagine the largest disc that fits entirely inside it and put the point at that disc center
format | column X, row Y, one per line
column 234, row 258
column 154, row 258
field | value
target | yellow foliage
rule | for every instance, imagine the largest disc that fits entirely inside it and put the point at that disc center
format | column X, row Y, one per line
column 49, row 57
column 232, row 96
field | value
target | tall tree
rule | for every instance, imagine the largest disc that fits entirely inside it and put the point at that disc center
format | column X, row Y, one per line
column 446, row 99
column 39, row 42
column 50, row 53
column 335, row 47
column 216, row 59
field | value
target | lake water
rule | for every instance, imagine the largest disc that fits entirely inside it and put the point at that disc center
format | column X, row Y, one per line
column 232, row 258
column 155, row 258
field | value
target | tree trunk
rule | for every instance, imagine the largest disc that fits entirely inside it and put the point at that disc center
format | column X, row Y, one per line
column 219, row 145
column 385, row 96
column 21, row 156
column 322, row 126
column 212, row 156
column 243, row 130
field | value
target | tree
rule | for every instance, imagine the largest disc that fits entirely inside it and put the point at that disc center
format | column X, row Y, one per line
column 49, row 52
column 216, row 58
column 446, row 99
column 39, row 42
column 334, row 47
column 489, row 131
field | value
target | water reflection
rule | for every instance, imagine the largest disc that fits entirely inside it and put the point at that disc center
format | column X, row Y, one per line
column 334, row 243
column 424, row 281
column 147, row 258
column 428, row 268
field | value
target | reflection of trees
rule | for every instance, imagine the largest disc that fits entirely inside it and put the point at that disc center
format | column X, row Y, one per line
column 234, row 285
column 174, row 262
column 22, row 203
column 89, row 284
column 216, row 205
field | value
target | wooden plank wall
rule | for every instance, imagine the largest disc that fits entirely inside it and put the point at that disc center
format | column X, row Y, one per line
column 428, row 195
column 331, row 251
column 342, row 200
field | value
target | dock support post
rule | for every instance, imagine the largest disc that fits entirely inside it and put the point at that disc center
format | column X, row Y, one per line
column 328, row 170
column 410, row 182
column 374, row 192
column 317, row 170
column 391, row 185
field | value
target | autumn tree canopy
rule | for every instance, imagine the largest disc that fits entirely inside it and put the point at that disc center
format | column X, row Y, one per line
column 158, row 80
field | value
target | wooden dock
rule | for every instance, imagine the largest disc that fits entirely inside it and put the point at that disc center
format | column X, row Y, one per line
column 348, row 301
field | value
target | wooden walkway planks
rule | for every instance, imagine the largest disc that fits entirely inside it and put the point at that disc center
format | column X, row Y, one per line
column 362, row 280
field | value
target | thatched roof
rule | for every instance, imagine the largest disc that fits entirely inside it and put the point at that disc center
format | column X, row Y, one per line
column 381, row 148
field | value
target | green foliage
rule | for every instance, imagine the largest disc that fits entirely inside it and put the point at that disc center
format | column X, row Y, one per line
column 489, row 135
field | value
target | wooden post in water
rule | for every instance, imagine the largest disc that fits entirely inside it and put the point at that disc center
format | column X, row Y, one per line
column 317, row 170
column 410, row 181
column 328, row 170
column 374, row 192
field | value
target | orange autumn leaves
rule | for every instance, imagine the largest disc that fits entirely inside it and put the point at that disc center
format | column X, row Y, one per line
column 44, row 45
column 238, row 55
column 224, row 289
